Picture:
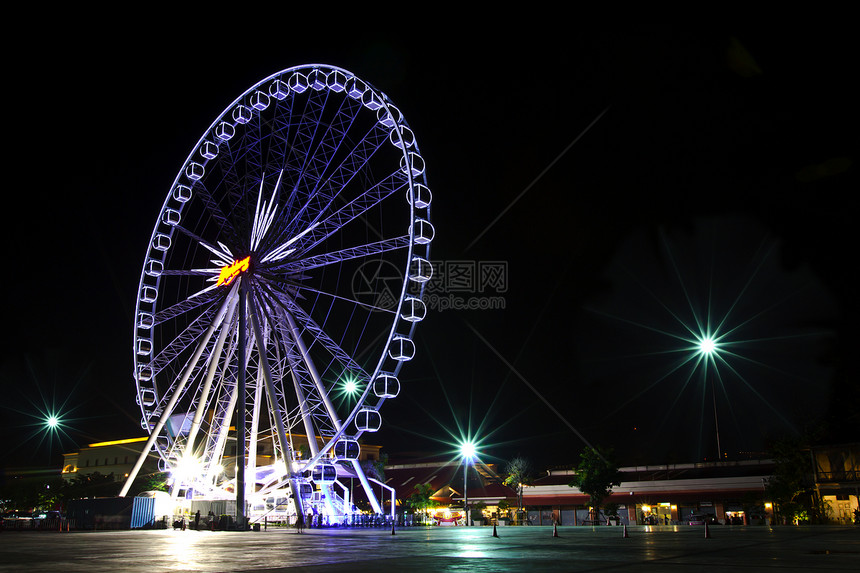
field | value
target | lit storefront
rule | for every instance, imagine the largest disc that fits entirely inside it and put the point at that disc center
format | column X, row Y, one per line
column 726, row 492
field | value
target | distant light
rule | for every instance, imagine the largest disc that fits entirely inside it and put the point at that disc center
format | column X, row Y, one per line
column 467, row 450
column 52, row 421
column 350, row 387
column 707, row 345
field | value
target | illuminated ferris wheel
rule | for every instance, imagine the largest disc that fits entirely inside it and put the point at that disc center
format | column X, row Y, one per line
column 289, row 259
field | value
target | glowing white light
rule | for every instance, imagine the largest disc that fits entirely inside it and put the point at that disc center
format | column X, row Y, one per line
column 350, row 386
column 707, row 345
column 52, row 421
column 467, row 450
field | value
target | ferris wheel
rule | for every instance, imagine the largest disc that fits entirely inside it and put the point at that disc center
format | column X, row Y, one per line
column 287, row 264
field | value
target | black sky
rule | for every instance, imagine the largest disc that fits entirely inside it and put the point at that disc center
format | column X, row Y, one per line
column 715, row 155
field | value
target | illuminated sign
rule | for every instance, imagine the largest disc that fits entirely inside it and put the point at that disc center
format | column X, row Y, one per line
column 230, row 272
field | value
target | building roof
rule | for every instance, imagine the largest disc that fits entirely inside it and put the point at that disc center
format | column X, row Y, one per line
column 649, row 483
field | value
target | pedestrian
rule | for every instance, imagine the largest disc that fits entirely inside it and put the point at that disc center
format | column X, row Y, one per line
column 197, row 520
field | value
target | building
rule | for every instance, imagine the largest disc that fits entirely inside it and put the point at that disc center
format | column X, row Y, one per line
column 446, row 482
column 837, row 479
column 115, row 457
column 728, row 492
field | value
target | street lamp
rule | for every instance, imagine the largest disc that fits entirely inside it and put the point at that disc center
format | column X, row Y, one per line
column 467, row 452
column 708, row 348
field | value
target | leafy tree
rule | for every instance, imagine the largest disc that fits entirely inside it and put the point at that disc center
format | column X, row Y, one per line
column 149, row 482
column 90, row 485
column 792, row 481
column 519, row 472
column 420, row 499
column 595, row 476
column 477, row 510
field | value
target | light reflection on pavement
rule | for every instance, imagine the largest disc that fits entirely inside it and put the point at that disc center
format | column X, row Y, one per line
column 666, row 549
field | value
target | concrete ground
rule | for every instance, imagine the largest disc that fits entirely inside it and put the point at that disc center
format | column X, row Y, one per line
column 657, row 549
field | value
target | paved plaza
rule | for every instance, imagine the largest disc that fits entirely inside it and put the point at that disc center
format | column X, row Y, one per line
column 654, row 549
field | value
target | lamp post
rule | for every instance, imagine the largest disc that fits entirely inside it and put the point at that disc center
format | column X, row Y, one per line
column 708, row 347
column 467, row 451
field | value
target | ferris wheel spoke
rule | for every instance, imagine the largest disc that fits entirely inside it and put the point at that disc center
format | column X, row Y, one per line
column 203, row 242
column 304, row 412
column 225, row 406
column 335, row 257
column 303, row 137
column 183, row 340
column 319, row 334
column 184, row 306
column 270, row 388
column 321, row 200
column 299, row 349
column 302, row 378
column 189, row 272
column 204, row 398
column 280, row 132
column 332, row 140
column 282, row 251
column 345, row 299
column 352, row 211
column 231, row 181
column 308, row 362
column 211, row 206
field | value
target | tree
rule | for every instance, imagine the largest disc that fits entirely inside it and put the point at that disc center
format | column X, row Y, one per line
column 792, row 481
column 519, row 473
column 420, row 499
column 595, row 476
column 156, row 481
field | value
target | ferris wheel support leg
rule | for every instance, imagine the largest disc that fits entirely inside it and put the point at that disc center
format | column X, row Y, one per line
column 276, row 409
column 255, row 428
column 221, row 439
column 240, row 422
column 327, row 491
column 374, row 503
column 168, row 409
column 210, row 375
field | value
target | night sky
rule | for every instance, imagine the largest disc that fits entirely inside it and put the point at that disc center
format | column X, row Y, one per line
column 628, row 184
